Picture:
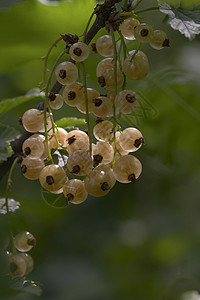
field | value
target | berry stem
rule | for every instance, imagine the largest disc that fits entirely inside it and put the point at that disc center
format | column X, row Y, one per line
column 147, row 9
column 86, row 106
column 136, row 5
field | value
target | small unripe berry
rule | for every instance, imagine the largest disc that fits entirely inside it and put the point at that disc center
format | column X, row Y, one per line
column 24, row 241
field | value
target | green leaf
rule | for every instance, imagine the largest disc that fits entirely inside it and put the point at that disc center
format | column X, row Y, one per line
column 187, row 22
column 7, row 134
column 8, row 104
column 69, row 122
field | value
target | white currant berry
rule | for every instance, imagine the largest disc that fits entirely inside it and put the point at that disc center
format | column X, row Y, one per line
column 53, row 177
column 107, row 79
column 131, row 139
column 99, row 182
column 74, row 93
column 91, row 95
column 102, row 107
column 33, row 120
column 61, row 135
column 127, row 169
column 74, row 191
column 126, row 102
column 79, row 163
column 77, row 133
column 127, row 28
column 55, row 101
column 104, row 46
column 79, row 143
column 159, row 40
column 16, row 265
column 33, row 147
column 79, row 51
column 106, row 63
column 143, row 33
column 136, row 65
column 120, row 150
column 103, row 131
column 31, row 167
column 66, row 73
column 29, row 262
column 24, row 241
column 102, row 153
column 109, row 172
column 41, row 137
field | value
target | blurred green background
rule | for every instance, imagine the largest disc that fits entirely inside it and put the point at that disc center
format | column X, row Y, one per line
column 142, row 240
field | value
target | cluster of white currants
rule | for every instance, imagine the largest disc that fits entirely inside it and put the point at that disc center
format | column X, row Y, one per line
column 109, row 159
column 21, row 263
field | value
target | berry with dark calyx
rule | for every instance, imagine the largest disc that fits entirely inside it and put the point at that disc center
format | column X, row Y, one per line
column 79, row 51
column 79, row 163
column 102, row 152
column 16, row 265
column 24, row 241
column 126, row 102
column 103, row 131
column 31, row 167
column 159, row 40
column 106, row 63
column 143, row 33
column 91, row 95
column 127, row 169
column 74, row 191
column 127, row 28
column 55, row 101
column 76, row 134
column 102, row 107
column 79, row 143
column 136, row 65
column 108, row 78
column 29, row 262
column 131, row 139
column 33, row 120
column 66, row 73
column 73, row 94
column 33, row 147
column 53, row 177
column 104, row 46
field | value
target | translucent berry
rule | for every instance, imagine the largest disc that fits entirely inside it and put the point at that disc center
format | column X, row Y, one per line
column 79, row 51
column 16, row 265
column 79, row 143
column 127, row 28
column 143, row 33
column 102, row 107
column 127, row 169
column 103, row 131
column 106, row 63
column 53, row 177
column 33, row 120
column 120, row 150
column 99, row 182
column 159, row 40
column 107, row 79
column 77, row 133
column 73, row 94
column 66, row 73
column 136, row 65
column 55, row 101
column 33, row 147
column 24, row 241
column 91, row 94
column 61, row 135
column 79, row 163
column 131, row 139
column 41, row 138
column 29, row 262
column 126, row 102
column 102, row 153
column 109, row 172
column 104, row 46
column 31, row 167
column 74, row 191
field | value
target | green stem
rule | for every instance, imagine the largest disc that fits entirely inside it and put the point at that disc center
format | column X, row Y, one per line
column 136, row 5
column 86, row 107
column 87, row 26
column 147, row 9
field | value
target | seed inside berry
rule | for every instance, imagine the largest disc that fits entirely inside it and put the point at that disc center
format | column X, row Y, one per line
column 144, row 32
column 101, row 81
column 77, row 51
column 62, row 74
column 71, row 95
column 49, row 180
column 105, row 186
column 132, row 178
column 23, row 169
column 97, row 159
column 138, row 142
column 13, row 267
column 130, row 98
column 166, row 43
column 69, row 197
column 97, row 102
column 27, row 151
column 76, row 169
